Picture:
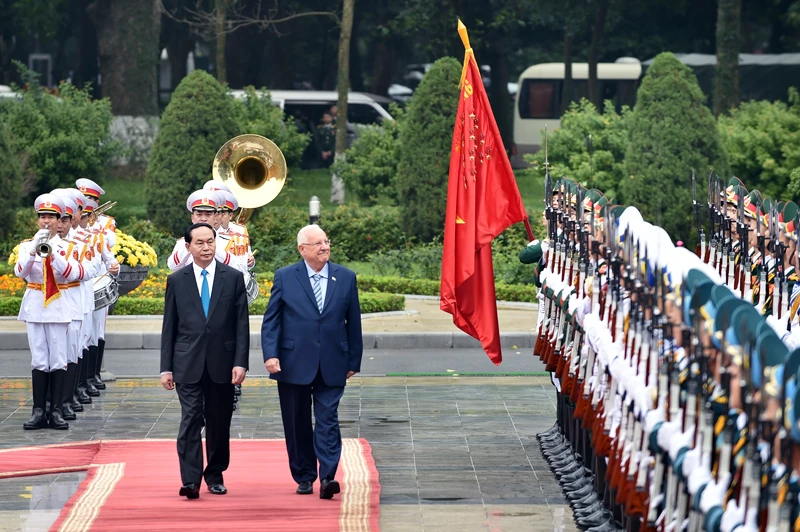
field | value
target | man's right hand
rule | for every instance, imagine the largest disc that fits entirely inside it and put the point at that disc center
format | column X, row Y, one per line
column 167, row 382
column 273, row 365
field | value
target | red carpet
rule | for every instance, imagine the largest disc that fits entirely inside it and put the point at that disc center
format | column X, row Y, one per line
column 133, row 485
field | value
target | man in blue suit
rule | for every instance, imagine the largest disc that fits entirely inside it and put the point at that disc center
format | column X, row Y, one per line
column 311, row 338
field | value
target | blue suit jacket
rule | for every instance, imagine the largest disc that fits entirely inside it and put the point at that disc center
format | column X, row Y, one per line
column 305, row 340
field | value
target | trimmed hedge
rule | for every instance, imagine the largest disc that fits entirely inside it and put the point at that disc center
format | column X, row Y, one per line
column 9, row 305
column 154, row 306
column 427, row 287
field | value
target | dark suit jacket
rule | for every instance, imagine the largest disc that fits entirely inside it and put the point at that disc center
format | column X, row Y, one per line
column 305, row 340
column 190, row 342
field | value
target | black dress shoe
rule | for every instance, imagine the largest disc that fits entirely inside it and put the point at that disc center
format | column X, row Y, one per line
column 68, row 413
column 190, row 491
column 589, row 500
column 588, row 510
column 38, row 420
column 573, row 496
column 217, row 489
column 608, row 526
column 596, row 519
column 328, row 488
column 305, row 488
column 76, row 404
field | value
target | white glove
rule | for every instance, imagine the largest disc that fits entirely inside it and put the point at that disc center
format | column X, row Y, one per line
column 678, row 441
column 698, row 478
column 666, row 432
column 533, row 242
column 732, row 517
column 714, row 494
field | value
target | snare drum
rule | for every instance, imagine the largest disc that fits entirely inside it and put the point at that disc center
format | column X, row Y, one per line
column 251, row 286
column 106, row 291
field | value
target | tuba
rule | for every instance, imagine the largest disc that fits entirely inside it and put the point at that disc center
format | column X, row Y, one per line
column 254, row 168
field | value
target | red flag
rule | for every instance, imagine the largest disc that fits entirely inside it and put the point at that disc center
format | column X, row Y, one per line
column 49, row 284
column 482, row 201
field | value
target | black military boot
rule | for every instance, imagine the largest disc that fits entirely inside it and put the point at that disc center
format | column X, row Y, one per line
column 91, row 363
column 38, row 419
column 58, row 379
column 83, row 397
column 97, row 381
column 69, row 387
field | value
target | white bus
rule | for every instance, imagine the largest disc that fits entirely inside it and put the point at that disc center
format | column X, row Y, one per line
column 538, row 102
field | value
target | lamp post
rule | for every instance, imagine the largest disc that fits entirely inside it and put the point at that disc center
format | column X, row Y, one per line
column 313, row 210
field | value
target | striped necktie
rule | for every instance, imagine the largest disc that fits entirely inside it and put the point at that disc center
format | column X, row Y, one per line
column 317, row 286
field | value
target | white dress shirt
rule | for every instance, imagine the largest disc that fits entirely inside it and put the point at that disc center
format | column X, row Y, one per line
column 198, row 275
column 323, row 282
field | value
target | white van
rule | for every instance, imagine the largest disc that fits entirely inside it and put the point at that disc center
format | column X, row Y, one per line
column 538, row 101
column 307, row 107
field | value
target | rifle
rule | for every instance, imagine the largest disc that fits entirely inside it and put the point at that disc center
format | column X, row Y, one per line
column 712, row 217
column 762, row 284
column 701, row 247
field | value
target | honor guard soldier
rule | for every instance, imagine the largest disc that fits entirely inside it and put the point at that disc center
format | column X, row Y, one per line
column 91, row 261
column 104, row 227
column 237, row 233
column 44, row 262
column 203, row 206
column 74, row 296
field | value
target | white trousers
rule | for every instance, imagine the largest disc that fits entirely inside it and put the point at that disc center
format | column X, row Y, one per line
column 99, row 317
column 87, row 332
column 48, row 345
column 74, row 345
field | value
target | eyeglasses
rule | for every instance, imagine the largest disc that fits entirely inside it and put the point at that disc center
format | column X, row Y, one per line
column 316, row 244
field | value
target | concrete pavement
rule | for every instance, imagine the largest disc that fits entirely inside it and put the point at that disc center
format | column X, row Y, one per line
column 424, row 326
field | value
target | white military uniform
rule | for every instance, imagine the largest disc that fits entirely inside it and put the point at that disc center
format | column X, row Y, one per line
column 104, row 231
column 47, row 322
column 180, row 257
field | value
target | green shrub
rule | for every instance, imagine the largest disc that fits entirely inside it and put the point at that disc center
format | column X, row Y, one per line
column 671, row 132
column 380, row 302
column 761, row 139
column 139, row 306
column 10, row 181
column 430, row 287
column 9, row 306
column 425, row 142
column 154, row 306
column 355, row 231
column 398, row 285
column 422, row 261
column 256, row 114
column 370, row 164
column 195, row 124
column 162, row 241
column 60, row 139
column 568, row 149
column 25, row 226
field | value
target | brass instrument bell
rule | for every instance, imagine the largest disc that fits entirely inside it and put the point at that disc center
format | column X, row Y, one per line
column 253, row 168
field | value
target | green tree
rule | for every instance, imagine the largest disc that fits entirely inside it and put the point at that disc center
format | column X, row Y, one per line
column 370, row 164
column 670, row 132
column 60, row 139
column 726, row 83
column 425, row 141
column 256, row 114
column 596, row 163
column 761, row 141
column 196, row 123
column 10, row 180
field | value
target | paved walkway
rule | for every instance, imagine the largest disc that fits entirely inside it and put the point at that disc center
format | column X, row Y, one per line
column 452, row 453
column 424, row 316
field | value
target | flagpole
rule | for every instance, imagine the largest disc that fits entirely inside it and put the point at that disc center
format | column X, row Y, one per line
column 470, row 55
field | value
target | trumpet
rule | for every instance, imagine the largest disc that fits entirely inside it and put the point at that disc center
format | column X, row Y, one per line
column 42, row 245
column 100, row 210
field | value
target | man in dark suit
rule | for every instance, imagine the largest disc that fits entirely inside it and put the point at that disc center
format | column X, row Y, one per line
column 311, row 338
column 205, row 341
